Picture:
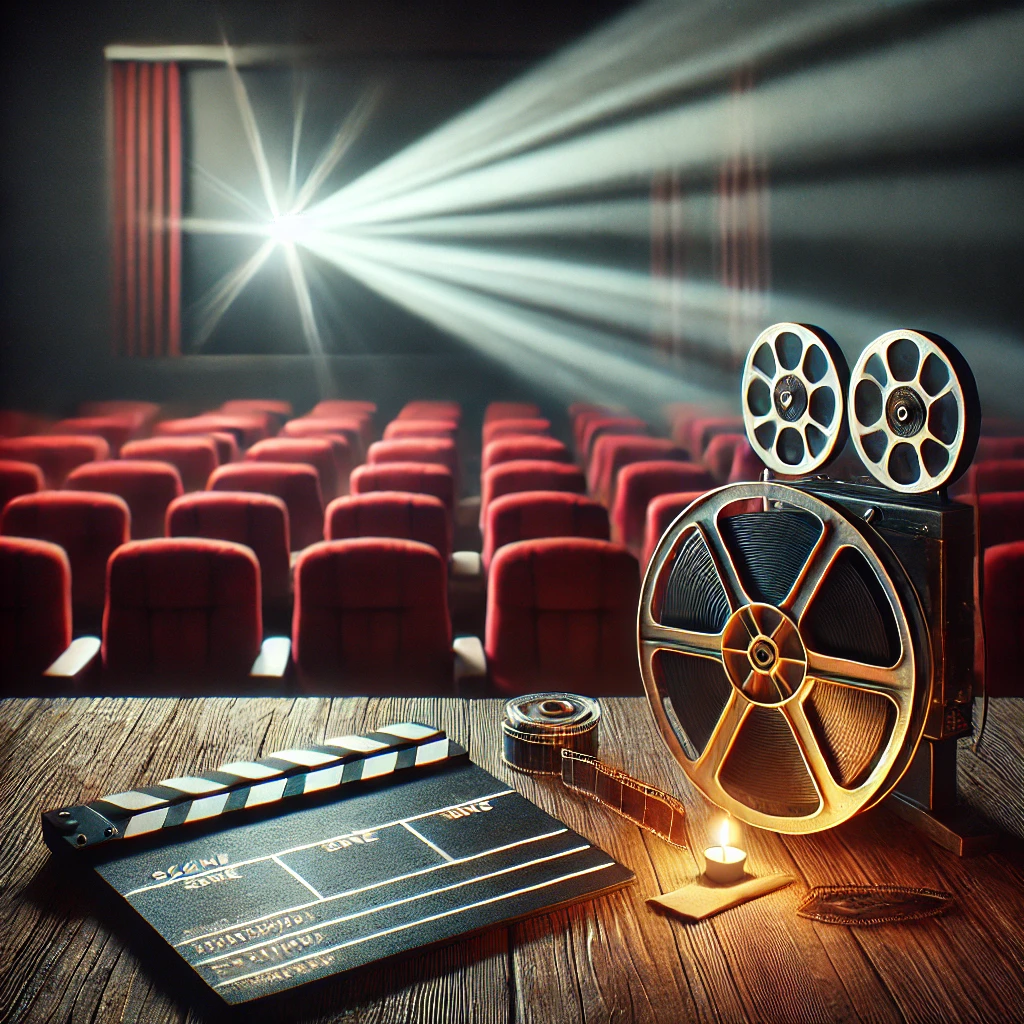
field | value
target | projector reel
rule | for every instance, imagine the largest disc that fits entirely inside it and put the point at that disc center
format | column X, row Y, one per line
column 785, row 655
column 915, row 415
column 794, row 387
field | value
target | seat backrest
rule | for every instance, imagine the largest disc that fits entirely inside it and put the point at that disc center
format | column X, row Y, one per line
column 17, row 478
column 524, row 446
column 530, row 515
column 147, row 487
column 496, row 429
column 248, row 428
column 143, row 413
column 745, row 464
column 417, row 477
column 14, row 423
column 296, row 484
column 720, row 454
column 195, row 458
column 991, row 448
column 641, row 481
column 115, row 430
column 996, row 475
column 417, row 427
column 372, row 612
column 661, row 511
column 1003, row 603
column 706, row 427
column 511, row 411
column 259, row 521
column 88, row 525
column 585, row 412
column 182, row 606
column 35, row 605
column 400, row 514
column 354, row 430
column 1000, row 518
column 438, row 450
column 55, row 456
column 344, row 407
column 599, row 426
column 309, row 451
column 429, row 409
column 561, row 614
column 528, row 475
column 613, row 451
column 278, row 409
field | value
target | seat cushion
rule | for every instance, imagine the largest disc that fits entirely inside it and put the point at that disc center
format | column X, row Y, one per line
column 400, row 514
column 182, row 606
column 147, row 487
column 561, row 614
column 259, row 521
column 374, row 610
column 35, row 605
column 88, row 525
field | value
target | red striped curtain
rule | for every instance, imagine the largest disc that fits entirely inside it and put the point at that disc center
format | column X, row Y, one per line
column 147, row 208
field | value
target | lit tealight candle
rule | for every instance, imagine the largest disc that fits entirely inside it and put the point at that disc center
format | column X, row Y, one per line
column 724, row 863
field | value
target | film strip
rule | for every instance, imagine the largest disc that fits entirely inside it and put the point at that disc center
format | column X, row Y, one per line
column 650, row 808
column 240, row 785
column 538, row 726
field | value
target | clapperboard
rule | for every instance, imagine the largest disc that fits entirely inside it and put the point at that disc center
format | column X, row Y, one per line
column 266, row 874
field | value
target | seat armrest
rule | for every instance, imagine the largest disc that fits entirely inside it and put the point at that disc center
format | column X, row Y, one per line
column 79, row 657
column 466, row 565
column 467, row 512
column 272, row 661
column 470, row 666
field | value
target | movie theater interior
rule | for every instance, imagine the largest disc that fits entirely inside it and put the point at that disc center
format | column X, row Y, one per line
column 512, row 512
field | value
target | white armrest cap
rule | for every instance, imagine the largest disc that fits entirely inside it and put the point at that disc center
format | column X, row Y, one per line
column 75, row 658
column 466, row 564
column 273, row 657
column 470, row 659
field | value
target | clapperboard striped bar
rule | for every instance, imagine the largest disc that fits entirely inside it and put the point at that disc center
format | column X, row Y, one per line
column 239, row 785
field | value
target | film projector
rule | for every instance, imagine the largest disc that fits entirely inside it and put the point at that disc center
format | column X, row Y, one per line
column 807, row 644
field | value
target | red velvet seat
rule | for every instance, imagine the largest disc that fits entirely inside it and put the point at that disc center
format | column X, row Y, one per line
column 147, row 487
column 599, row 426
column 524, row 446
column 418, row 427
column 585, row 412
column 530, row 515
column 248, row 429
column 720, row 454
column 511, row 411
column 317, row 452
column 297, row 485
column 227, row 446
column 661, row 511
column 561, row 615
column 400, row 514
column 528, row 475
column 992, row 448
column 15, row 423
column 429, row 409
column 354, row 430
column 35, row 606
column 415, row 477
column 144, row 414
column 613, row 451
column 259, row 521
column 55, row 456
column 995, row 475
column 745, row 464
column 344, row 407
column 115, row 430
column 1000, row 518
column 195, row 458
column 440, row 451
column 515, row 428
column 185, row 607
column 371, row 615
column 1004, row 614
column 278, row 410
column 707, row 427
column 642, row 481
column 17, row 478
column 88, row 525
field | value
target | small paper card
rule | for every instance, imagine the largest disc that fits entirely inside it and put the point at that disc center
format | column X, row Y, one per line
column 701, row 898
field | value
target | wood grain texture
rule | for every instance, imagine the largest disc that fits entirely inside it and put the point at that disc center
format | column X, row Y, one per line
column 613, row 959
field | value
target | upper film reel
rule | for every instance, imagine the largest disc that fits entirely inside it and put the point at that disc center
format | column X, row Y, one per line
column 785, row 656
column 795, row 381
column 915, row 415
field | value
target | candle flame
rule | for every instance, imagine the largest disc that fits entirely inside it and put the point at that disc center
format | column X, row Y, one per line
column 723, row 834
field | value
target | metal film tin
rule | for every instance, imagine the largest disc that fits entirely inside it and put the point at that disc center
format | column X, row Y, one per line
column 538, row 726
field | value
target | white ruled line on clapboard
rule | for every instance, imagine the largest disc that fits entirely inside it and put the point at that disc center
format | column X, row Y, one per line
column 425, row 920
column 379, row 885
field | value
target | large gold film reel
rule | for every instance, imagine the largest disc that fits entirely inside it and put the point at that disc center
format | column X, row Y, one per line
column 779, row 733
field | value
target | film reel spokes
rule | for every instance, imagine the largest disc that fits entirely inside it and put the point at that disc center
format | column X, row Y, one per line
column 794, row 392
column 771, row 715
column 914, row 411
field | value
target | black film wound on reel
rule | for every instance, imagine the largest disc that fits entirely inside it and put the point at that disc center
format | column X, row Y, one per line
column 538, row 726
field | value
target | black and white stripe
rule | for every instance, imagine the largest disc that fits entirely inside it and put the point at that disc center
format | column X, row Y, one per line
column 247, row 784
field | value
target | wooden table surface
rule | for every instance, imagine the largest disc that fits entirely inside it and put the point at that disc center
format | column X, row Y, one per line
column 611, row 959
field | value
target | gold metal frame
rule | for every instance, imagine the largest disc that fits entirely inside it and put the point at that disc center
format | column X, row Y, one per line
column 906, row 684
